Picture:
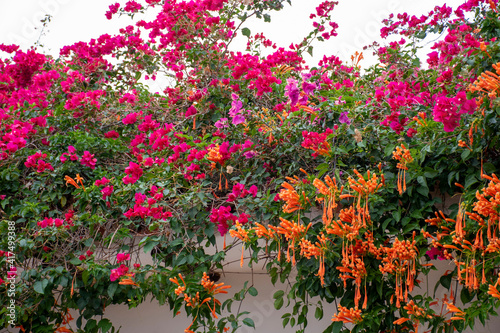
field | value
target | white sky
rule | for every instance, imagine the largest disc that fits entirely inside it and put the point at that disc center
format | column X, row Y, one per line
column 80, row 20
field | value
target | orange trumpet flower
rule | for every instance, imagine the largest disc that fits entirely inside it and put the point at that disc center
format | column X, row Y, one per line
column 293, row 232
column 74, row 182
column 63, row 330
column 345, row 315
column 291, row 198
column 458, row 314
column 403, row 156
column 214, row 155
column 71, row 181
column 129, row 282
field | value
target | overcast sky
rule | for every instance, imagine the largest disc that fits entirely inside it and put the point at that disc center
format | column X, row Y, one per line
column 80, row 20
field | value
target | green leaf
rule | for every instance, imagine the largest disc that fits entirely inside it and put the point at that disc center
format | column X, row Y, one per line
column 466, row 296
column 397, row 214
column 249, row 322
column 445, row 280
column 430, row 173
column 489, row 168
column 469, row 180
column 40, row 286
column 310, row 50
column 318, row 314
column 465, row 154
column 246, row 32
column 252, row 291
column 105, row 325
column 90, row 325
column 423, row 188
column 112, row 289
column 380, row 286
column 278, row 304
column 278, row 294
column 75, row 261
column 389, row 149
column 85, row 276
column 149, row 246
column 337, row 326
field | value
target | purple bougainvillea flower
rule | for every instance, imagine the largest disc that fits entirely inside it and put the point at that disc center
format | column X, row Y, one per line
column 221, row 123
column 238, row 119
column 292, row 91
column 236, row 105
column 308, row 87
column 344, row 119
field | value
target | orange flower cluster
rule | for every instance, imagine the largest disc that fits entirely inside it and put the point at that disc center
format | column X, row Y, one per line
column 421, row 119
column 488, row 201
column 210, row 287
column 291, row 198
column 308, row 250
column 403, row 156
column 74, row 182
column 492, row 289
column 400, row 260
column 66, row 319
column 268, row 124
column 214, row 155
column 346, row 315
column 128, row 281
column 293, row 232
column 353, row 267
column 457, row 313
column 417, row 313
column 364, row 189
column 347, row 226
column 488, row 82
column 241, row 234
column 351, row 224
column 330, row 191
column 414, row 310
column 468, row 236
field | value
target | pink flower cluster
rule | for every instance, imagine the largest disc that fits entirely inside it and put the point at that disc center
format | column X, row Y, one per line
column 82, row 100
column 113, row 9
column 395, row 121
column 106, row 191
column 316, row 141
column 222, row 216
column 116, row 273
column 323, row 11
column 50, row 222
column 148, row 206
column 36, row 161
column 134, row 172
column 131, row 118
column 130, row 98
column 112, row 135
column 448, row 110
column 87, row 158
column 239, row 191
column 83, row 257
column 71, row 154
column 122, row 257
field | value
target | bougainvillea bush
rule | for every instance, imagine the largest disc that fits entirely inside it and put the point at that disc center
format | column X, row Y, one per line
column 332, row 175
